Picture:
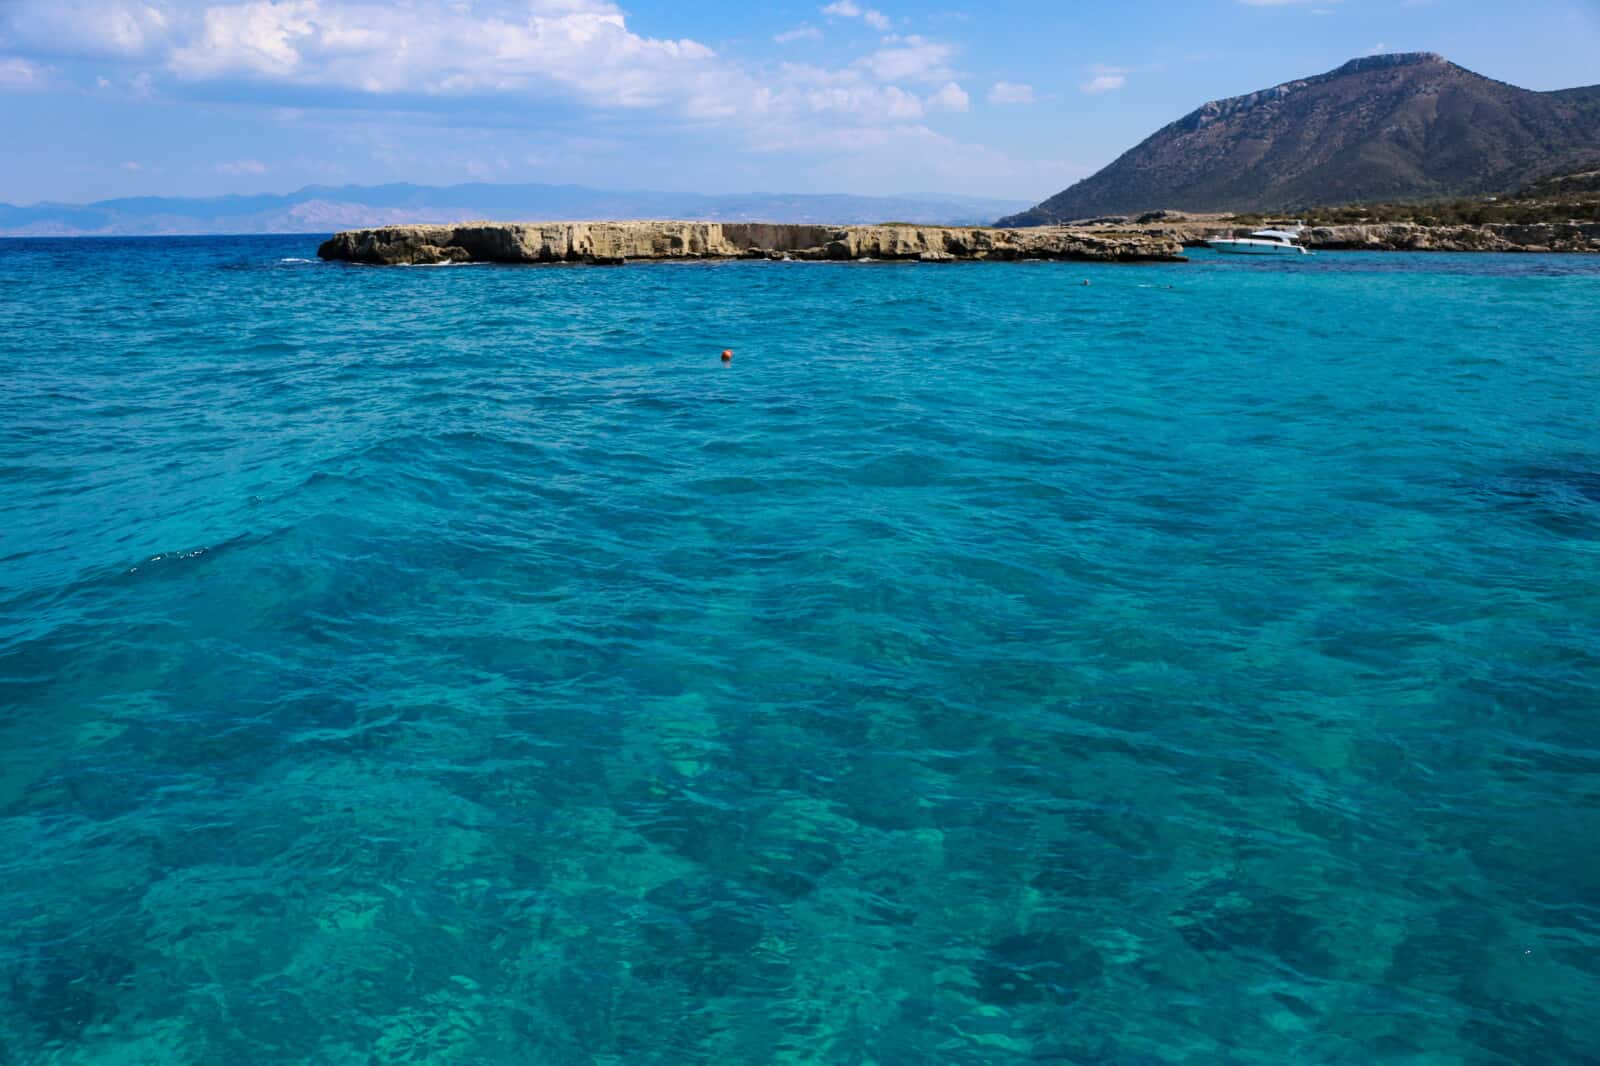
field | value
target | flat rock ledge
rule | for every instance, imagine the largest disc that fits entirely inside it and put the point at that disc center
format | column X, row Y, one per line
column 1493, row 237
column 619, row 242
column 1192, row 232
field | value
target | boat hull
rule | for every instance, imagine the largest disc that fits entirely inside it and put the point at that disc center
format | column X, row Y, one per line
column 1243, row 246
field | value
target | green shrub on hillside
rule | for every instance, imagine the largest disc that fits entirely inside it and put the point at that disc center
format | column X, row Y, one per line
column 1458, row 212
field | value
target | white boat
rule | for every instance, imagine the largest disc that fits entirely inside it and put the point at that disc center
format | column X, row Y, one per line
column 1262, row 242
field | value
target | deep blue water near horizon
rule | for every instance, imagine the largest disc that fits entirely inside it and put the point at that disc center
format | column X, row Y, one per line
column 461, row 666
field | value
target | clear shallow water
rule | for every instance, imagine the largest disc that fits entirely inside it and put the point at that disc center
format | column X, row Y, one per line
column 461, row 666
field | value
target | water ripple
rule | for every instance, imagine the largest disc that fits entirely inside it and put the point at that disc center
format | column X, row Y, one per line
column 465, row 666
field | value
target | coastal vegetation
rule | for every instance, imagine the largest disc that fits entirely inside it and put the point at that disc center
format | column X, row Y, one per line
column 1563, row 198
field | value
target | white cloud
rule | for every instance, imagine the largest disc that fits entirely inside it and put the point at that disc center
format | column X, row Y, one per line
column 114, row 28
column 812, row 90
column 799, row 33
column 849, row 9
column 19, row 75
column 581, row 48
column 255, row 38
column 1006, row 92
column 463, row 57
column 241, row 167
column 132, row 167
column 910, row 59
column 950, row 97
column 850, row 92
column 1104, row 79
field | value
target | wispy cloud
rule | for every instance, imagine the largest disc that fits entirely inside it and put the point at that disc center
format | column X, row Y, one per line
column 1006, row 92
column 1105, row 79
column 799, row 33
column 852, row 93
column 910, row 59
column 849, row 9
column 102, row 28
column 19, row 75
column 950, row 97
column 241, row 167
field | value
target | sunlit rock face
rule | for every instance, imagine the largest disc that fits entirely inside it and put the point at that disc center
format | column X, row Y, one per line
column 616, row 242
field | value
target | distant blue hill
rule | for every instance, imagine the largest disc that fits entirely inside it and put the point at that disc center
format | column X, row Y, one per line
column 323, row 208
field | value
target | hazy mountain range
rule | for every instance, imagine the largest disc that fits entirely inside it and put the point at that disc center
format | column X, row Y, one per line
column 1394, row 127
column 322, row 209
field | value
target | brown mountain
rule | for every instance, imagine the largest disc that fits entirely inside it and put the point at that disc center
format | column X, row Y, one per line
column 1392, row 127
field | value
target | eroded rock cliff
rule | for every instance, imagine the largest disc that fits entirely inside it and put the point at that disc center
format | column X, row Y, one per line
column 618, row 242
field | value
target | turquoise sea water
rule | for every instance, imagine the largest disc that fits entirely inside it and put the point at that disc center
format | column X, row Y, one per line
column 462, row 666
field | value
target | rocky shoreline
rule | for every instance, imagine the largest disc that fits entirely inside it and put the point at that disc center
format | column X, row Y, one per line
column 1192, row 232
column 620, row 242
column 1494, row 237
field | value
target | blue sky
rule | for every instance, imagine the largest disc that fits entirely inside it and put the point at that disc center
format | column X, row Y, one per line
column 102, row 98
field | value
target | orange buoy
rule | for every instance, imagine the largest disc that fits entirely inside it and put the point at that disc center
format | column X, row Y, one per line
column 727, row 355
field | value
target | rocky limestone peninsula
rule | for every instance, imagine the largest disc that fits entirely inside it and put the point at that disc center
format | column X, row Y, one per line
column 619, row 242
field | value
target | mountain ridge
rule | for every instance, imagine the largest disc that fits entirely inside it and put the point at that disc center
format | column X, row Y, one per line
column 325, row 208
column 1400, row 126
